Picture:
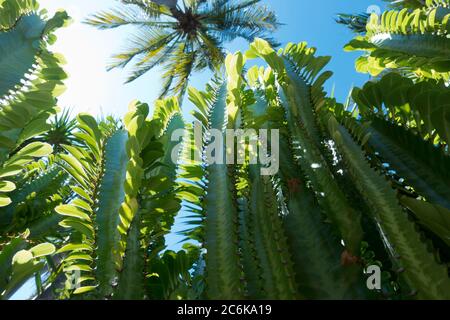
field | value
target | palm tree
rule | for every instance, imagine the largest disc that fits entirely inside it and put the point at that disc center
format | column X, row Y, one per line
column 183, row 38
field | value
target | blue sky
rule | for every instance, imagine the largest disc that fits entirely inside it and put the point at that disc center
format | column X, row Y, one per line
column 90, row 88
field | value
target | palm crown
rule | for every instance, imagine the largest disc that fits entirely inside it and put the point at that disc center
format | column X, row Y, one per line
column 183, row 38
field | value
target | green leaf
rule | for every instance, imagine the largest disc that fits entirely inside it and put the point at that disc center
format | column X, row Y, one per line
column 78, row 256
column 74, row 247
column 34, row 128
column 89, row 124
column 10, row 171
column 84, row 289
column 80, row 226
column 4, row 200
column 30, row 151
column 7, row 186
column 78, row 267
column 43, row 249
column 75, row 165
column 72, row 211
column 82, row 193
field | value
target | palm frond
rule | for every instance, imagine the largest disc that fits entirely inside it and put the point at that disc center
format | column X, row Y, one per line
column 152, row 59
column 245, row 20
column 125, row 15
column 152, row 9
column 143, row 46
